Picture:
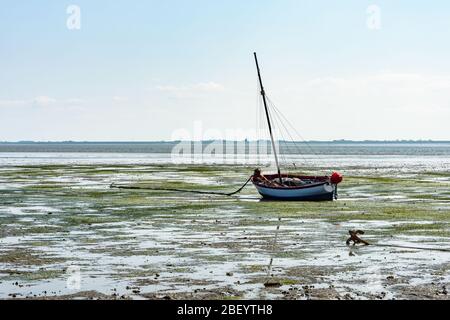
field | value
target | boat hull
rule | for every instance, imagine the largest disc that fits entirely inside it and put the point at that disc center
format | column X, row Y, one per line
column 316, row 188
column 320, row 192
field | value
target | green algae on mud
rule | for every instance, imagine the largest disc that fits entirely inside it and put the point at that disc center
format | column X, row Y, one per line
column 54, row 216
column 27, row 257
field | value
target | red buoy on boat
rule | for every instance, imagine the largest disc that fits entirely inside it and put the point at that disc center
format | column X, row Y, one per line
column 336, row 178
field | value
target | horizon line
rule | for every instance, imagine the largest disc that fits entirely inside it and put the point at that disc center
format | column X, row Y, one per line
column 226, row 140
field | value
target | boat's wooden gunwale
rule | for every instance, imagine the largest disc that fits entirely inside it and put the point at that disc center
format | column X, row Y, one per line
column 321, row 180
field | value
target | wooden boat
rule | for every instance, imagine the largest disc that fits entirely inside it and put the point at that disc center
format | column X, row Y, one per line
column 290, row 186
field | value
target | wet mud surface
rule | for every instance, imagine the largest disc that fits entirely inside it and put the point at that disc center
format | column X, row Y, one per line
column 64, row 234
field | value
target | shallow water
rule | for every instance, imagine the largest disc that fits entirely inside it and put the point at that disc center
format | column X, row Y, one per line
column 57, row 211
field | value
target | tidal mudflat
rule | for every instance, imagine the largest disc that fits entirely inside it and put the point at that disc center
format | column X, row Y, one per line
column 60, row 220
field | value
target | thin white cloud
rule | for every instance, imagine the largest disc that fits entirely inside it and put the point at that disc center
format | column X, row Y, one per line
column 383, row 105
column 381, row 90
column 193, row 90
column 13, row 103
column 41, row 101
column 208, row 87
column 391, row 79
column 119, row 99
column 74, row 101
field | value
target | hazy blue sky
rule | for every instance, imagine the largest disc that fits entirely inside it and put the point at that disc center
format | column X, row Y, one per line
column 141, row 70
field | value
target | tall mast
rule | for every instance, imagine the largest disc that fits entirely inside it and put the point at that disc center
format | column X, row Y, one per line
column 263, row 93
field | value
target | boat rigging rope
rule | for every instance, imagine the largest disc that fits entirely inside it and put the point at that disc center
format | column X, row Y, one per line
column 283, row 117
column 114, row 186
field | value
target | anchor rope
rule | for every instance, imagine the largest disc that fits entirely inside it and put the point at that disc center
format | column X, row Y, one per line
column 409, row 247
column 274, row 244
column 355, row 239
column 114, row 186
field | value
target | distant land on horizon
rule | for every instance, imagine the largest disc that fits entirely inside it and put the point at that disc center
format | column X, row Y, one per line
column 347, row 147
column 209, row 141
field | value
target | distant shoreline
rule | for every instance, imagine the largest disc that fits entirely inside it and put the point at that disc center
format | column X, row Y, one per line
column 343, row 147
column 236, row 141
